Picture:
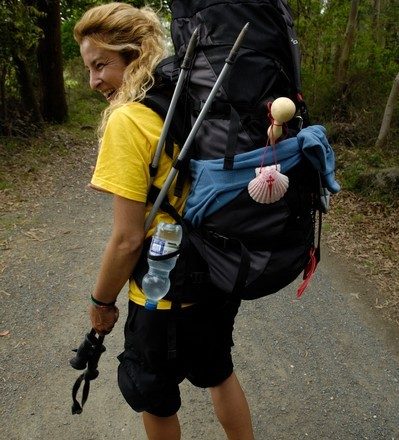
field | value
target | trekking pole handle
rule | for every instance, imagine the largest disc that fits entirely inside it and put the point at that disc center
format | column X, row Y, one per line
column 172, row 174
column 176, row 94
column 234, row 51
column 192, row 44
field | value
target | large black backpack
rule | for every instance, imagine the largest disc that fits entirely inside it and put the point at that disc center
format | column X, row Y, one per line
column 267, row 67
column 246, row 249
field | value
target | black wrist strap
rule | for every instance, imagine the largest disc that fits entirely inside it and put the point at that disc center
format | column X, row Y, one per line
column 100, row 303
column 90, row 374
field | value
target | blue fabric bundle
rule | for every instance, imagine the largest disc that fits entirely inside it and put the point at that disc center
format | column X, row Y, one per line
column 213, row 187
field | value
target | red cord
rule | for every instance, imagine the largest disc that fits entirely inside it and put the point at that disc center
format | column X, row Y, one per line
column 308, row 272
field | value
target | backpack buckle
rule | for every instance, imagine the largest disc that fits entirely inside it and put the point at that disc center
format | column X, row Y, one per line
column 218, row 239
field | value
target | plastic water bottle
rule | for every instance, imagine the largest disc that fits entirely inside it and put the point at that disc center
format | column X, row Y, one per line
column 156, row 283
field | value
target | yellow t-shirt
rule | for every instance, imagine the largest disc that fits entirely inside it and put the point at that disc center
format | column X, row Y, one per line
column 127, row 148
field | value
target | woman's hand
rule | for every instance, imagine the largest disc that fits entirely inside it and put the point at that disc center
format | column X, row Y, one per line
column 103, row 318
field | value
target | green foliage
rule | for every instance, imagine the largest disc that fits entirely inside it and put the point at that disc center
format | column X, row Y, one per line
column 23, row 97
column 19, row 32
column 374, row 62
column 70, row 48
column 4, row 184
column 72, row 10
column 85, row 104
column 351, row 175
column 372, row 172
column 19, row 36
column 19, row 155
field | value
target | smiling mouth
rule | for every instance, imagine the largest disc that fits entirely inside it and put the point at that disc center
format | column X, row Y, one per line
column 109, row 95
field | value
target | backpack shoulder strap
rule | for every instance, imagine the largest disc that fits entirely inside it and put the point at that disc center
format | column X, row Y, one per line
column 160, row 103
column 158, row 99
column 159, row 96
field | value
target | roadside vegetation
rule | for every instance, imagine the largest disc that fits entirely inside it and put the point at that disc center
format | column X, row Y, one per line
column 350, row 66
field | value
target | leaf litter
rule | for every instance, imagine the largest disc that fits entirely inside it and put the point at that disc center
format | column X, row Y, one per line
column 366, row 235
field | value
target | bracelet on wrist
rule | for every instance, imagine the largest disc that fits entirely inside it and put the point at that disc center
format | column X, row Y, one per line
column 98, row 303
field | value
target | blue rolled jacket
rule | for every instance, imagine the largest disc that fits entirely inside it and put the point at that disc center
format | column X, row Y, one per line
column 213, row 187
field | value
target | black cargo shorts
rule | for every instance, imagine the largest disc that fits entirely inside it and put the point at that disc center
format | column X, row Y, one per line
column 164, row 347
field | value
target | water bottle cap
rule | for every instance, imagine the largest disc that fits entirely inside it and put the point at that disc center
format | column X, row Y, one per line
column 150, row 305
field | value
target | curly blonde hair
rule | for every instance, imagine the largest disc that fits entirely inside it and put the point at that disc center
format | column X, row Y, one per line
column 137, row 34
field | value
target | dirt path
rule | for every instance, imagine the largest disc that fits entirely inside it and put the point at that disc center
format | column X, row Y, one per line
column 324, row 367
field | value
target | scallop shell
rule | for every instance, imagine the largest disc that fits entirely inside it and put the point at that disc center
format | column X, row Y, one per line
column 269, row 185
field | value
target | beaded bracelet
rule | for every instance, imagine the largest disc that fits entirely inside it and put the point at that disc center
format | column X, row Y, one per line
column 100, row 303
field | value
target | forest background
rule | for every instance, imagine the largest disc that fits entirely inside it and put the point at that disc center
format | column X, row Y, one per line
column 350, row 65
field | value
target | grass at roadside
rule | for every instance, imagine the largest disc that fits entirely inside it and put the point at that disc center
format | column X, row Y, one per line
column 365, row 236
column 22, row 157
column 29, row 165
column 371, row 172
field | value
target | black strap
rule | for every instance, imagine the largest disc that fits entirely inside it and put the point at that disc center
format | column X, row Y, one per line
column 318, row 247
column 163, row 257
column 231, row 139
column 183, row 175
column 245, row 259
column 318, row 211
column 90, row 374
column 165, row 205
column 293, row 41
column 77, row 408
column 217, row 110
column 222, row 110
column 169, row 147
column 303, row 109
column 87, row 376
column 159, row 102
column 172, row 331
column 243, row 270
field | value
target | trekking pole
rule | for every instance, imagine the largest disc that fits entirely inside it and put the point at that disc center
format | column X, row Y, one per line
column 172, row 174
column 184, row 68
column 87, row 356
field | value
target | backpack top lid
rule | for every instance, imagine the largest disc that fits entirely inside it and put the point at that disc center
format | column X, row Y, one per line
column 219, row 24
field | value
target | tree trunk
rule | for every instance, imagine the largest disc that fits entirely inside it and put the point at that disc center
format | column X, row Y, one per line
column 375, row 32
column 349, row 40
column 28, row 96
column 387, row 118
column 3, row 108
column 376, row 22
column 54, row 105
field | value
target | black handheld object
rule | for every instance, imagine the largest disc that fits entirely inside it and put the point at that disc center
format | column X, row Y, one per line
column 87, row 356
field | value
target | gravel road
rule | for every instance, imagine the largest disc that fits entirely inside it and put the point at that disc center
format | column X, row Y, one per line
column 323, row 367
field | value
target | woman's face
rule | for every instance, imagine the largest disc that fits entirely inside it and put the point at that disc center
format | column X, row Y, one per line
column 105, row 66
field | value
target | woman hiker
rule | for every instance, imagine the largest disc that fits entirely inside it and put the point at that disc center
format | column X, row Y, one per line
column 121, row 46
